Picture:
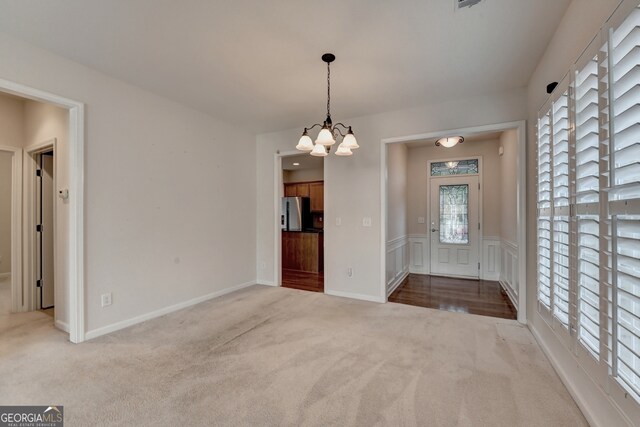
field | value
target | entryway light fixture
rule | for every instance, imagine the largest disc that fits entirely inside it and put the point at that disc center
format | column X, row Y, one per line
column 329, row 132
column 450, row 141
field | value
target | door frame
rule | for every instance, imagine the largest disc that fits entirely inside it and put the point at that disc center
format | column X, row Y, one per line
column 521, row 191
column 480, row 193
column 30, row 219
column 277, row 231
column 74, row 255
column 17, row 296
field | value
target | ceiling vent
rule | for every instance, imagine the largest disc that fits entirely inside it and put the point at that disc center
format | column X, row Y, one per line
column 466, row 3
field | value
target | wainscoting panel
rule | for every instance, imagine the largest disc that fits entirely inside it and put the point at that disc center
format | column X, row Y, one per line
column 490, row 258
column 419, row 254
column 397, row 262
column 509, row 270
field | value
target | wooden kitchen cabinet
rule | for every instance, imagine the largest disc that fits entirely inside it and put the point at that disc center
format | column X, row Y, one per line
column 313, row 190
column 316, row 192
column 303, row 251
column 302, row 189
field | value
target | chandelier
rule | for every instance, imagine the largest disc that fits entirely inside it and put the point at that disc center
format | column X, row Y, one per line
column 328, row 132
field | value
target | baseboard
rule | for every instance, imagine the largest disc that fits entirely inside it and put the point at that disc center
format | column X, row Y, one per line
column 266, row 283
column 5, row 275
column 493, row 277
column 418, row 271
column 395, row 283
column 354, row 296
column 63, row 326
column 578, row 393
column 161, row 312
column 509, row 292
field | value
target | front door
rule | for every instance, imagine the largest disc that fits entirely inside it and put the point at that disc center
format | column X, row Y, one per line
column 454, row 226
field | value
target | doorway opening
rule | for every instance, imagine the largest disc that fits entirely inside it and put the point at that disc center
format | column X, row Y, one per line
column 302, row 222
column 454, row 221
column 45, row 232
column 44, row 134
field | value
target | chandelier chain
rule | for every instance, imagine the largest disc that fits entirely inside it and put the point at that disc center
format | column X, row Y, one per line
column 328, row 89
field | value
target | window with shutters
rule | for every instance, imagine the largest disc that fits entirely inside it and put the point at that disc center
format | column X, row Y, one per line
column 544, row 210
column 588, row 200
column 624, row 199
column 560, row 167
column 587, row 188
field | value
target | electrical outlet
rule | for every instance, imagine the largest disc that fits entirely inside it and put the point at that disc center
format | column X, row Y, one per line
column 350, row 272
column 106, row 299
column 338, row 221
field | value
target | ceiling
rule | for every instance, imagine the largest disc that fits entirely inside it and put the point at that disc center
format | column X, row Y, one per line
column 257, row 63
column 305, row 161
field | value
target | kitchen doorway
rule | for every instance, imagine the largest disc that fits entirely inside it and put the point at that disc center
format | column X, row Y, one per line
column 301, row 222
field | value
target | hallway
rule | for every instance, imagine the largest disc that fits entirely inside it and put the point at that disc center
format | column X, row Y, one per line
column 482, row 297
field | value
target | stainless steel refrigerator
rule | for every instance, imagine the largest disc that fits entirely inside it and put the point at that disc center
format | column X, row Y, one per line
column 295, row 213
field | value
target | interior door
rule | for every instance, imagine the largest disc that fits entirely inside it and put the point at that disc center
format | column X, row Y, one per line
column 454, row 228
column 44, row 209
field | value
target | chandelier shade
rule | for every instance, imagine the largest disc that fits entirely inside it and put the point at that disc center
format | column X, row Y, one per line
column 305, row 143
column 329, row 133
column 319, row 151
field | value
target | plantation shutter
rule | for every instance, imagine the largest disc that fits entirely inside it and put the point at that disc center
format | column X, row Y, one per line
column 624, row 200
column 560, row 224
column 544, row 209
column 587, row 165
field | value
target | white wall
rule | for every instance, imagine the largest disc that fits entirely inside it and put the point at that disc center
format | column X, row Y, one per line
column 397, row 243
column 353, row 185
column 11, row 121
column 397, row 191
column 303, row 175
column 6, row 159
column 12, row 135
column 508, row 185
column 580, row 24
column 160, row 179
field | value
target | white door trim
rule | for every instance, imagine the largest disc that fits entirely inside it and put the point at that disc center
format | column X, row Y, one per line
column 75, row 255
column 521, row 178
column 17, row 297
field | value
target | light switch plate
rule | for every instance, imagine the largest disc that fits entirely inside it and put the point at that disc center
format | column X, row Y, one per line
column 420, row 220
column 338, row 221
column 366, row 221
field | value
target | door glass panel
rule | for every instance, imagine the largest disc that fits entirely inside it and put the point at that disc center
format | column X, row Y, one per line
column 454, row 214
column 459, row 167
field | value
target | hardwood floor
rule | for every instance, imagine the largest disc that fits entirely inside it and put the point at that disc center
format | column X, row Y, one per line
column 303, row 280
column 481, row 297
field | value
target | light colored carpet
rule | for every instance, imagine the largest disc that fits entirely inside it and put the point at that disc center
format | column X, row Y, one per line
column 275, row 356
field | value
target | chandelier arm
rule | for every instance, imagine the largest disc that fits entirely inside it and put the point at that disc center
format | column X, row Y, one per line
column 309, row 128
column 335, row 129
column 343, row 125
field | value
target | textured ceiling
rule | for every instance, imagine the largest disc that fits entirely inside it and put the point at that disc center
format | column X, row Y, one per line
column 257, row 63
